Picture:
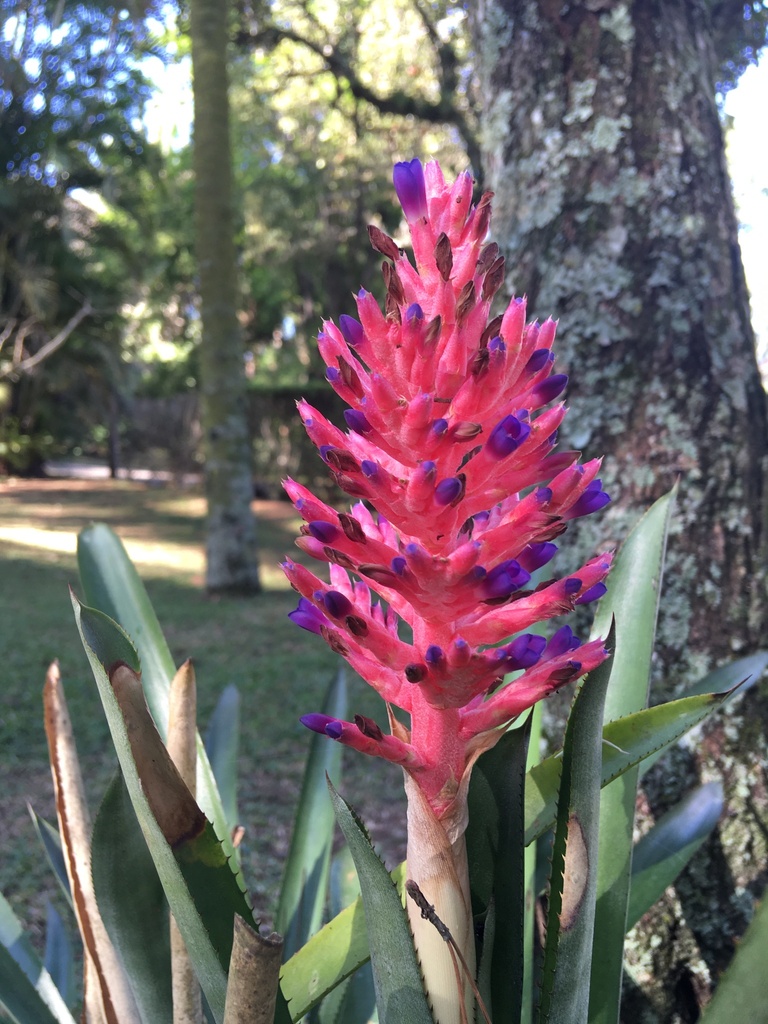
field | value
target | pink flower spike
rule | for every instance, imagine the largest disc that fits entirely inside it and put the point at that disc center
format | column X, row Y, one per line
column 450, row 443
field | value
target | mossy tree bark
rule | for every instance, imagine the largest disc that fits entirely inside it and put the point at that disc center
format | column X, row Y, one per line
column 602, row 141
column 231, row 558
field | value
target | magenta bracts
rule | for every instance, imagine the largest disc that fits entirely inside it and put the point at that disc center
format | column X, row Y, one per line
column 453, row 425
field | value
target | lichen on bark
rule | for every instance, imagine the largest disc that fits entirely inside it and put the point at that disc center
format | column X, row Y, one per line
column 602, row 141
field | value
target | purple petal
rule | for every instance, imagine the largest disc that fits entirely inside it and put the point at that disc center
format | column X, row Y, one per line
column 322, row 531
column 308, row 616
column 434, row 655
column 449, row 490
column 356, row 421
column 539, row 360
column 504, row 580
column 593, row 499
column 507, row 435
column 525, row 650
column 408, row 178
column 533, row 556
column 316, row 722
column 550, row 388
column 572, row 585
column 352, row 330
column 592, row 594
column 414, row 312
column 337, row 604
column 563, row 641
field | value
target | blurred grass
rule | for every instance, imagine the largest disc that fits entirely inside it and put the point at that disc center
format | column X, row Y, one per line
column 281, row 671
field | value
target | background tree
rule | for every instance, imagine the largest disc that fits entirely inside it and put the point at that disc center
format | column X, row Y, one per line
column 231, row 562
column 71, row 99
column 603, row 143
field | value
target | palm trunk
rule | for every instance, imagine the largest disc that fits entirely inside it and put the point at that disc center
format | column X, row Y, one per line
column 232, row 564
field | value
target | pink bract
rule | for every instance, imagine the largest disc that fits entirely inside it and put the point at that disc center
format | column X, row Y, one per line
column 452, row 427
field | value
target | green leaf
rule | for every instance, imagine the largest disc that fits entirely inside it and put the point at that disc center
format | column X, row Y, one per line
column 634, row 587
column 626, row 742
column 354, row 1000
column 200, row 887
column 58, row 960
column 741, row 993
column 51, row 843
column 326, row 960
column 112, row 586
column 664, row 851
column 531, row 892
column 747, row 671
column 496, row 855
column 27, row 990
column 342, row 946
column 305, row 878
column 573, row 878
column 396, row 975
column 221, row 744
column 132, row 903
column 735, row 678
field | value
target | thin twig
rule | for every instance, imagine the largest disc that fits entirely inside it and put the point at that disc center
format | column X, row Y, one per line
column 429, row 914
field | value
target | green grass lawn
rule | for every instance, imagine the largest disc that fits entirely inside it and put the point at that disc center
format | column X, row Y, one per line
column 280, row 670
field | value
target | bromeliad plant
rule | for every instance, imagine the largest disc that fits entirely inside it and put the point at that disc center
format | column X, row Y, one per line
column 461, row 496
column 452, row 433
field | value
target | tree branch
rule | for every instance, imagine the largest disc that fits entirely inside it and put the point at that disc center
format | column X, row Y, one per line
column 19, row 366
column 398, row 102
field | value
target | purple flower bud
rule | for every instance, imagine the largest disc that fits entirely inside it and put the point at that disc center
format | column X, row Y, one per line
column 316, row 722
column 324, row 449
column 352, row 330
column 322, row 531
column 434, row 655
column 408, row 178
column 308, row 616
column 543, row 495
column 369, row 468
column 439, row 427
column 533, row 556
column 337, row 604
column 507, row 435
column 539, row 360
column 592, row 594
column 561, row 642
column 332, row 375
column 414, row 312
column 356, row 421
column 504, row 580
column 398, row 565
column 550, row 388
column 593, row 499
column 525, row 650
column 572, row 585
column 449, row 490
column 334, row 729
column 496, row 345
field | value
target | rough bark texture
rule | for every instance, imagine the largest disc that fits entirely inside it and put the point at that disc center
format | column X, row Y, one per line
column 231, row 532
column 602, row 141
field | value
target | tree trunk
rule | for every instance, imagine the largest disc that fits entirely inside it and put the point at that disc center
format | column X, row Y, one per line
column 231, row 558
column 602, row 141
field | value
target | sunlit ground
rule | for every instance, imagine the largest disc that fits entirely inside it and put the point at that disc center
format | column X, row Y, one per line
column 37, row 521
